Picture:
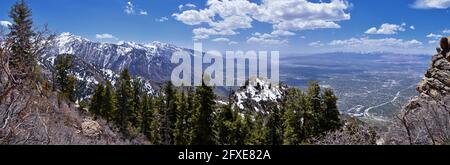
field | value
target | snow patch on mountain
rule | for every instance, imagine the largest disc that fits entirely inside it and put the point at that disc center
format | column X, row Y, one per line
column 148, row 60
column 257, row 92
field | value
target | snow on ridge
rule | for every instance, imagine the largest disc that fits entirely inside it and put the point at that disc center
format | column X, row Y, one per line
column 258, row 90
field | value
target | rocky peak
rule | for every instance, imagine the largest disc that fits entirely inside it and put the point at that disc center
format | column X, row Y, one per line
column 256, row 93
column 425, row 118
column 436, row 82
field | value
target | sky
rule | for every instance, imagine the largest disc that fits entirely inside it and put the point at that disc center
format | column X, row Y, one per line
column 288, row 26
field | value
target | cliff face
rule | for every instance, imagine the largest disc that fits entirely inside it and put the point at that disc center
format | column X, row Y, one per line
column 425, row 119
column 436, row 82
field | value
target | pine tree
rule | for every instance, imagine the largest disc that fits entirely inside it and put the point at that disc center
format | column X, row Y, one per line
column 257, row 129
column 245, row 129
column 124, row 101
column 96, row 106
column 65, row 82
column 225, row 123
column 137, row 92
column 168, row 114
column 203, row 132
column 21, row 34
column 239, row 132
column 146, row 110
column 315, row 111
column 181, row 129
column 109, row 102
column 275, row 126
column 314, row 95
column 70, row 89
column 155, row 131
column 293, row 118
column 331, row 112
column 190, row 114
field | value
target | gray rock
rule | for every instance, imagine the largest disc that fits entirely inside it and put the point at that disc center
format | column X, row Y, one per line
column 425, row 119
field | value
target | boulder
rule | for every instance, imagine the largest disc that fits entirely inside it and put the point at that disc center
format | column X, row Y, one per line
column 91, row 128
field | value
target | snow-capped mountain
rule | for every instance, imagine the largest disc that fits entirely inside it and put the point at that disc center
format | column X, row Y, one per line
column 257, row 93
column 150, row 61
column 96, row 62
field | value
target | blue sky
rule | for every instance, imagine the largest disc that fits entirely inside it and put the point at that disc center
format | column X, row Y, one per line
column 291, row 26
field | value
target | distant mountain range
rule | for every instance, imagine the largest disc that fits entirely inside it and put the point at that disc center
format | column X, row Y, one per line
column 151, row 61
column 97, row 62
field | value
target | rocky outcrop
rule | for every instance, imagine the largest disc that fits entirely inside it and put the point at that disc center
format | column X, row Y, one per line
column 436, row 82
column 258, row 94
column 425, row 119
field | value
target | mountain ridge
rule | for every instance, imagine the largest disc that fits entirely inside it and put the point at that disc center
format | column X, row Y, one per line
column 150, row 60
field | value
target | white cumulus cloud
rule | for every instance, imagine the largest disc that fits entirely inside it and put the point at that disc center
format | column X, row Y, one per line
column 387, row 29
column 435, row 36
column 431, row 4
column 105, row 36
column 130, row 9
column 204, row 33
column 446, row 31
column 286, row 16
column 366, row 44
column 233, row 43
column 266, row 39
column 221, row 40
column 162, row 19
column 143, row 12
column 188, row 5
column 316, row 44
column 224, row 40
column 295, row 15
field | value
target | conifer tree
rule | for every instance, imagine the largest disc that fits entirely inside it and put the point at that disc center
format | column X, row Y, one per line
column 257, row 129
column 315, row 111
column 146, row 110
column 168, row 114
column 239, row 132
column 203, row 132
column 124, row 100
column 181, row 129
column 246, row 128
column 331, row 112
column 190, row 114
column 96, row 106
column 65, row 81
column 225, row 123
column 21, row 34
column 109, row 102
column 293, row 118
column 70, row 89
column 155, row 132
column 275, row 126
column 63, row 63
column 137, row 92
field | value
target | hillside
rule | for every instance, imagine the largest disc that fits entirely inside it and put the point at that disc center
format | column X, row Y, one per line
column 33, row 114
